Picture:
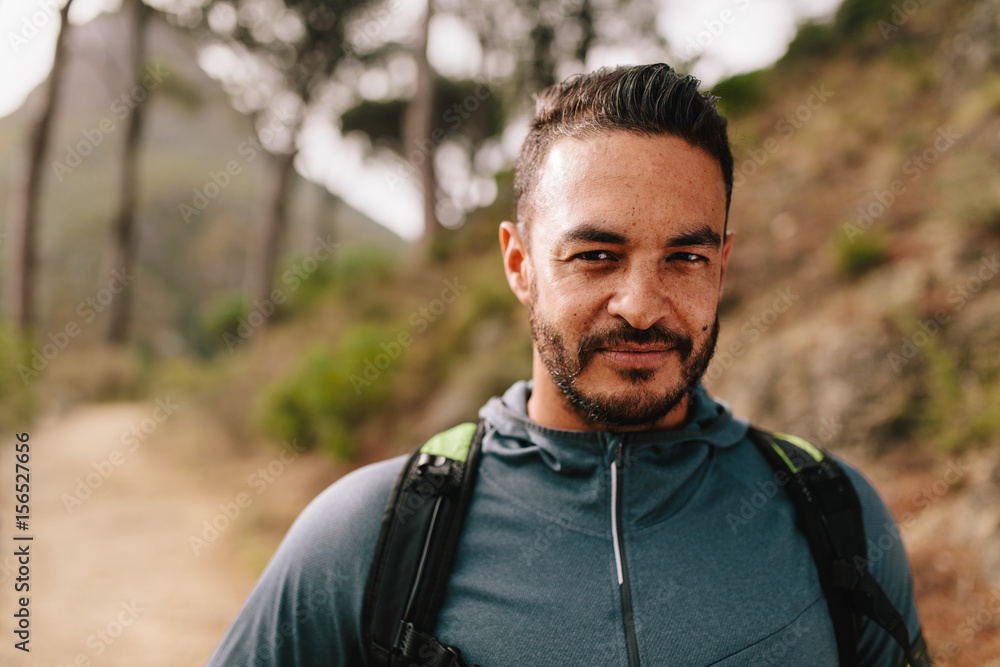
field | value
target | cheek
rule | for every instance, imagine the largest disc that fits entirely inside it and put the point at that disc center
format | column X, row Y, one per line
column 573, row 300
column 697, row 312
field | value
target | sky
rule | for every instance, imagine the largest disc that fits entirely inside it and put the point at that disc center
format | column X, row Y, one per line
column 730, row 36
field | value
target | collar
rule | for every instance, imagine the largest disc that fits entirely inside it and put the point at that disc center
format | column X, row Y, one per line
column 709, row 423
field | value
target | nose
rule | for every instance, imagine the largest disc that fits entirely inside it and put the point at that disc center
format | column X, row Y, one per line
column 640, row 298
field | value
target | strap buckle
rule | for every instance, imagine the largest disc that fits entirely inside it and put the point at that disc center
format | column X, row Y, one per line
column 427, row 649
column 436, row 475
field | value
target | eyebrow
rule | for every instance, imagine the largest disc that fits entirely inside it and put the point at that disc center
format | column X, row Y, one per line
column 702, row 236
column 592, row 234
column 588, row 233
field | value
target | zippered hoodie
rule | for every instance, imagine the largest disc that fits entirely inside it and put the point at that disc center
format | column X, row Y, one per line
column 585, row 548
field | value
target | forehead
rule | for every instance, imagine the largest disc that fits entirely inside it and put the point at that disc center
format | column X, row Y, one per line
column 622, row 178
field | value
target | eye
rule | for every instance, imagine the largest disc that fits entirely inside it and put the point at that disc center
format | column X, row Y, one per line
column 686, row 257
column 595, row 256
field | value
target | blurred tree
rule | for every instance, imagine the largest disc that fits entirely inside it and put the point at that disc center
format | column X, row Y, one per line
column 526, row 45
column 25, row 220
column 123, row 240
column 531, row 44
column 295, row 46
column 419, row 123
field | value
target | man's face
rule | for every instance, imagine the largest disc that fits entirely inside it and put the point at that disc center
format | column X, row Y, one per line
column 624, row 270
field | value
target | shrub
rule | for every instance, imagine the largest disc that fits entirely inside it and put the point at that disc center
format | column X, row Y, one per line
column 856, row 257
column 16, row 404
column 220, row 321
column 855, row 16
column 333, row 391
column 741, row 93
column 813, row 40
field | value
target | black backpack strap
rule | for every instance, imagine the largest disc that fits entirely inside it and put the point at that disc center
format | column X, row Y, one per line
column 416, row 549
column 829, row 513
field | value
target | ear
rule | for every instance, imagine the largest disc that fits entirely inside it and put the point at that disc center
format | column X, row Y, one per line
column 727, row 247
column 515, row 261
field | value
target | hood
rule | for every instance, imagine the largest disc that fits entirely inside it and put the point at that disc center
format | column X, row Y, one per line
column 709, row 422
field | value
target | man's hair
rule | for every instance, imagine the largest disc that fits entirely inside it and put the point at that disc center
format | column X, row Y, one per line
column 647, row 100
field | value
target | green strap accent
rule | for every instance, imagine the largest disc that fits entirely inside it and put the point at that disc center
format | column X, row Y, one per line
column 784, row 457
column 802, row 444
column 453, row 443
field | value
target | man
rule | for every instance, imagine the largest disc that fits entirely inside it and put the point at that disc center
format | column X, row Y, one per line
column 597, row 532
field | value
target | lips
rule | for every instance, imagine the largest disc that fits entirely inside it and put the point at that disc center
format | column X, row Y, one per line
column 635, row 356
column 627, row 347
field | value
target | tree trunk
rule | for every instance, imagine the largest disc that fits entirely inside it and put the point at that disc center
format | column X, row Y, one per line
column 419, row 125
column 123, row 253
column 24, row 224
column 274, row 227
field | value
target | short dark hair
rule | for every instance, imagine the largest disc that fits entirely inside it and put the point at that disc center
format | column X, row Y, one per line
column 641, row 99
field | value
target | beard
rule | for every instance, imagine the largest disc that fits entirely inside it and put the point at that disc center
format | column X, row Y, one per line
column 644, row 403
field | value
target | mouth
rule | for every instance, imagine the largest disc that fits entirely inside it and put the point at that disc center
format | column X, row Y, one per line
column 636, row 356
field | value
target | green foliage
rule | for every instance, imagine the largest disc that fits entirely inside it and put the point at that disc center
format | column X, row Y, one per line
column 469, row 108
column 220, row 321
column 380, row 120
column 943, row 401
column 988, row 220
column 304, row 280
column 813, row 40
column 952, row 405
column 951, row 420
column 333, row 391
column 855, row 16
column 853, row 19
column 462, row 107
column 16, row 400
column 352, row 273
column 984, row 425
column 854, row 257
column 742, row 93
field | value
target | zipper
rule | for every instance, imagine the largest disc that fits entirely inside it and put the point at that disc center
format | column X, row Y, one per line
column 616, row 535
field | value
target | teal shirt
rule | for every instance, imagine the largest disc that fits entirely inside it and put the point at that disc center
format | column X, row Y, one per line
column 718, row 572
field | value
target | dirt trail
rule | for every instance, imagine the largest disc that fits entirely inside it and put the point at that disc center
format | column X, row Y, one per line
column 114, row 581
